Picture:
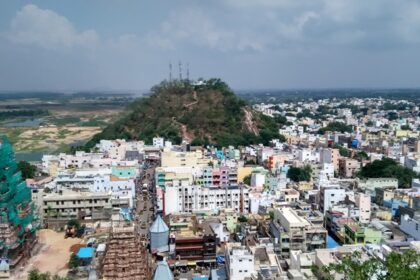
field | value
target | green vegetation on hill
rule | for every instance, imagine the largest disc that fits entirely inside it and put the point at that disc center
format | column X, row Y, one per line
column 202, row 114
column 388, row 168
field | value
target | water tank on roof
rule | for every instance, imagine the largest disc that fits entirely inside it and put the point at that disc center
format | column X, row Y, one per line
column 159, row 236
column 355, row 143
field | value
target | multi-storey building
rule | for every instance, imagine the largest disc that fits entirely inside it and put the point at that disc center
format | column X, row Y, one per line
column 69, row 204
column 174, row 158
column 294, row 232
column 348, row 167
column 239, row 262
column 192, row 198
column 328, row 196
column 411, row 226
column 363, row 202
column 330, row 156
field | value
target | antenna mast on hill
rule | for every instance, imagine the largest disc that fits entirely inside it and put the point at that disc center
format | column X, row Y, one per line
column 180, row 70
column 188, row 71
column 170, row 71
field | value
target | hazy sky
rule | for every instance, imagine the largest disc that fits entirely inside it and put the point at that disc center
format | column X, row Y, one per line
column 128, row 44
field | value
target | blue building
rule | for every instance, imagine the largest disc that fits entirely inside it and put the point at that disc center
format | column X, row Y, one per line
column 394, row 204
column 163, row 272
column 159, row 235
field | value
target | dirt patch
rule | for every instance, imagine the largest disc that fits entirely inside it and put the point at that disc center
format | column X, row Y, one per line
column 52, row 137
column 53, row 256
column 249, row 123
column 75, row 248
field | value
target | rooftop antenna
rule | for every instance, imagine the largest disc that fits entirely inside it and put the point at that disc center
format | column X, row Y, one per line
column 180, row 70
column 188, row 71
column 170, row 72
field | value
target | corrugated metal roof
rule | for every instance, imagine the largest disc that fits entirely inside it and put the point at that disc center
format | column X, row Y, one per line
column 159, row 226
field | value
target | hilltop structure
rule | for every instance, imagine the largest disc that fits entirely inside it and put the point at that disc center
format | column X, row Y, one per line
column 17, row 221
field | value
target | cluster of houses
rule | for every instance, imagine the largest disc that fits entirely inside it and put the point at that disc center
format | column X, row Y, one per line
column 236, row 213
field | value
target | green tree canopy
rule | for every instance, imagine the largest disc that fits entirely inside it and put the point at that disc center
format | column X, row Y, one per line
column 28, row 170
column 388, row 168
column 243, row 219
column 336, row 126
column 247, row 180
column 74, row 261
column 299, row 174
column 404, row 266
column 35, row 274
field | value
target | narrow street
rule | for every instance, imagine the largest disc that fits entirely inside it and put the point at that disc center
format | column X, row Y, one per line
column 145, row 197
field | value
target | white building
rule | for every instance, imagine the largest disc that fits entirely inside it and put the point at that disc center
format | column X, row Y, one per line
column 363, row 202
column 193, row 198
column 411, row 226
column 239, row 262
column 329, row 196
column 307, row 155
column 158, row 142
column 120, row 188
column 257, row 180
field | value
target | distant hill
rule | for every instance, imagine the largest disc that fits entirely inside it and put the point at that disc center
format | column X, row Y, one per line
column 208, row 113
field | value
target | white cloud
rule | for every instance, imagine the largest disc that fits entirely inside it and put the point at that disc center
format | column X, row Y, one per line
column 192, row 26
column 47, row 29
column 294, row 30
column 409, row 26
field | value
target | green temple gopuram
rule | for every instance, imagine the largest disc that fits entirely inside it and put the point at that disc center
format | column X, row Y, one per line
column 17, row 221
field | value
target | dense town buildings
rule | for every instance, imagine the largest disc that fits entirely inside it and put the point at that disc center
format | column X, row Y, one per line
column 255, row 212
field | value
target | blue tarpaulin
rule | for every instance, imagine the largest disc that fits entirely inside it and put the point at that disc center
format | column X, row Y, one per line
column 331, row 243
column 85, row 253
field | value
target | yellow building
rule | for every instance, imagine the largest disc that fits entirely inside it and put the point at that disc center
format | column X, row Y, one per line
column 53, row 168
column 406, row 133
column 172, row 158
column 302, row 186
column 243, row 172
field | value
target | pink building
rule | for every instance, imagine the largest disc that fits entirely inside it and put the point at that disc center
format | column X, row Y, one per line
column 363, row 202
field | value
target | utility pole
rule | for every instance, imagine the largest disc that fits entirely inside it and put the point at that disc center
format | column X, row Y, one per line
column 170, row 72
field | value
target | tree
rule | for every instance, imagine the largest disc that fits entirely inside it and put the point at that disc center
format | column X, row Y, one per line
column 369, row 123
column 343, row 151
column 397, row 265
column 250, row 162
column 28, row 170
column 388, row 168
column 362, row 155
column 247, row 180
column 242, row 219
column 392, row 116
column 73, row 224
column 300, row 174
column 336, row 126
column 74, row 261
column 35, row 274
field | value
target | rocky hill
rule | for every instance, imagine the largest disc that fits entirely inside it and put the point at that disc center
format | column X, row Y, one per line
column 208, row 113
